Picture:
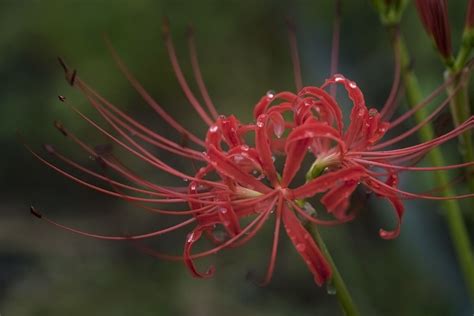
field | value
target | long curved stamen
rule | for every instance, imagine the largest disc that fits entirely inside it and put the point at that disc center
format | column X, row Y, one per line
column 198, row 74
column 336, row 34
column 276, row 238
column 179, row 75
column 39, row 215
column 135, row 128
column 295, row 58
column 389, row 106
column 408, row 195
column 406, row 168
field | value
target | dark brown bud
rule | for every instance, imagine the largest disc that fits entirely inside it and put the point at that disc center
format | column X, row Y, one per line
column 434, row 16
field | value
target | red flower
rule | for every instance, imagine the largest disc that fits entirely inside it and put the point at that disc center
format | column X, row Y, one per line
column 240, row 175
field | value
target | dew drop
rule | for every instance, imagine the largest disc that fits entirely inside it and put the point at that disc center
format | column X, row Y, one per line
column 330, row 288
column 338, row 78
column 352, row 84
column 238, row 158
column 260, row 124
column 301, row 247
column 185, row 179
column 213, row 128
column 223, row 210
column 309, row 209
column 278, row 129
column 191, row 238
column 270, row 94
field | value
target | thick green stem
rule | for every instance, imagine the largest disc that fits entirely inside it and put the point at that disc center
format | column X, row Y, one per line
column 460, row 113
column 342, row 292
column 337, row 281
column 453, row 215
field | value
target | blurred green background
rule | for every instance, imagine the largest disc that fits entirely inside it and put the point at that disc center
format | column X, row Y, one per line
column 243, row 51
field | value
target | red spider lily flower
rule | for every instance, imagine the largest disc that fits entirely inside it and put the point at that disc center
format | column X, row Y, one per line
column 434, row 16
column 240, row 185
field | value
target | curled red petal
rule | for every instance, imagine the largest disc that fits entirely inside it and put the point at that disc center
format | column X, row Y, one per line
column 230, row 126
column 328, row 180
column 262, row 143
column 265, row 101
column 229, row 219
column 227, row 167
column 337, row 199
column 359, row 113
column 191, row 239
column 328, row 103
column 298, row 142
column 397, row 204
column 399, row 209
column 306, row 247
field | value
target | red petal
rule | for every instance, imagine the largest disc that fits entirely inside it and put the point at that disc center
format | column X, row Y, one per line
column 297, row 144
column 328, row 180
column 397, row 204
column 262, row 143
column 265, row 101
column 328, row 103
column 306, row 247
column 230, row 169
column 399, row 209
column 337, row 199
column 229, row 219
column 192, row 238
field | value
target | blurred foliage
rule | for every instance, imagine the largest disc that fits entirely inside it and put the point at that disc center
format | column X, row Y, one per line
column 243, row 50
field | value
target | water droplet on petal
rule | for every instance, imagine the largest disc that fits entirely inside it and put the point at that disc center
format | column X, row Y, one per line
column 191, row 238
column 238, row 158
column 352, row 84
column 278, row 129
column 338, row 78
column 330, row 288
column 222, row 209
column 213, row 128
column 270, row 94
column 301, row 247
column 310, row 210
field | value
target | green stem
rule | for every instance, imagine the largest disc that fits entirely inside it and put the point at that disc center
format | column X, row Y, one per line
column 460, row 113
column 453, row 215
column 342, row 292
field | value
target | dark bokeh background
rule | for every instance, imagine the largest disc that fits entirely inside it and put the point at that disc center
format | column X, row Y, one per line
column 243, row 51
